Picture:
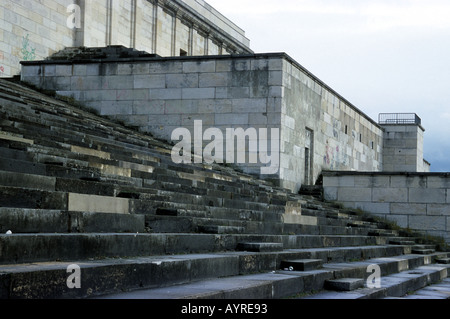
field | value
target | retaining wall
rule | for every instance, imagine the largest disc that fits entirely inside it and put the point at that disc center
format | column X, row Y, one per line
column 419, row 201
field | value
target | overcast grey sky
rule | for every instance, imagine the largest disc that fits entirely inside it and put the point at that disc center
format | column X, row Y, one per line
column 384, row 56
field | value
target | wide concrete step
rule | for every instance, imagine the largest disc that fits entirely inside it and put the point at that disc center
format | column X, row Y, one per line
column 22, row 248
column 435, row 291
column 274, row 284
column 118, row 275
column 34, row 221
column 394, row 285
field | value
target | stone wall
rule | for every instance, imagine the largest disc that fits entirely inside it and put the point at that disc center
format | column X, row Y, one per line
column 35, row 30
column 403, row 148
column 419, row 201
column 318, row 128
column 343, row 137
column 31, row 30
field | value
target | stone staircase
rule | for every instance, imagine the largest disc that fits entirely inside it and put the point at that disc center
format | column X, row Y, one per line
column 79, row 189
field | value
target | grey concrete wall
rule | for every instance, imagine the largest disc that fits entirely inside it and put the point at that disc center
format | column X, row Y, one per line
column 419, row 201
column 35, row 29
column 403, row 148
column 344, row 137
column 159, row 95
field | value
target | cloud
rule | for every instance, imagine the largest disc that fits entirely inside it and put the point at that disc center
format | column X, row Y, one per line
column 361, row 16
column 430, row 14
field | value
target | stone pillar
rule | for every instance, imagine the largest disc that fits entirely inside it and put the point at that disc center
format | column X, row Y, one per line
column 403, row 143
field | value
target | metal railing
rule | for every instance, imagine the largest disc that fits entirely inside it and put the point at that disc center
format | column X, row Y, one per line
column 399, row 118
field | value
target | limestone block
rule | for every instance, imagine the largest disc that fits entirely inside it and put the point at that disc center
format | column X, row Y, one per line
column 363, row 181
column 150, row 81
column 121, row 82
column 438, row 181
column 438, row 209
column 165, row 94
column 31, row 70
column 148, row 107
column 125, row 68
column 49, row 70
column 408, row 209
column 259, row 64
column 427, row 222
column 276, row 64
column 169, row 119
column 330, row 181
column 110, row 169
column 223, row 65
column 275, row 78
column 354, row 194
column 393, row 195
column 90, row 152
column 299, row 219
column 381, row 181
column 249, row 105
column 257, row 119
column 99, row 95
column 330, row 193
column 398, row 180
column 375, row 208
column 199, row 66
column 164, row 67
column 189, row 80
column 132, row 95
column 181, row 107
column 419, row 195
column 79, row 83
column 61, row 83
column 231, row 119
column 198, row 93
column 97, row 204
column 276, row 91
column 63, row 70
column 238, row 92
column 93, row 70
column 207, row 80
column 116, row 108
column 241, row 65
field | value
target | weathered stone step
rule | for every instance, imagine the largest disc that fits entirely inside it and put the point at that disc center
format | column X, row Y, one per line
column 393, row 285
column 29, row 221
column 301, row 264
column 180, row 224
column 265, row 285
column 58, row 169
column 443, row 260
column 439, row 290
column 383, row 232
column 213, row 175
column 176, row 189
column 401, row 242
column 323, row 229
column 22, row 248
column 423, row 249
column 48, row 280
column 344, row 284
column 220, row 229
column 259, row 247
